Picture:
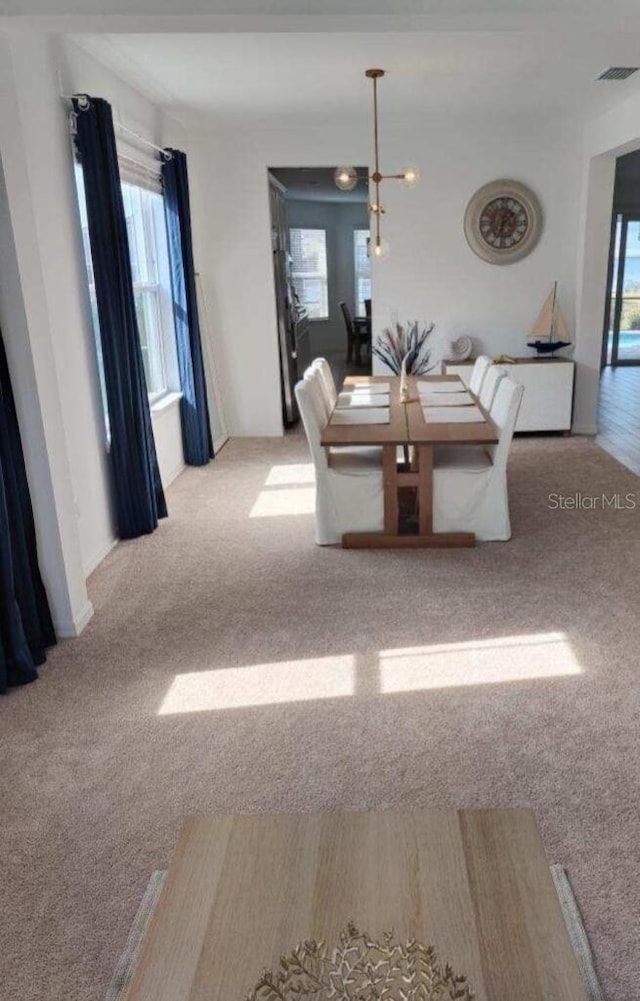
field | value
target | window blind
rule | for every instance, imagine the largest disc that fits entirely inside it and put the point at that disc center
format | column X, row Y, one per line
column 139, row 168
column 308, row 249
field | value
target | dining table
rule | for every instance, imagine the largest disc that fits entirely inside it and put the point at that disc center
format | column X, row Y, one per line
column 407, row 427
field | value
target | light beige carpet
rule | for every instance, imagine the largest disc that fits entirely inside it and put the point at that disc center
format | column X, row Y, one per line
column 233, row 666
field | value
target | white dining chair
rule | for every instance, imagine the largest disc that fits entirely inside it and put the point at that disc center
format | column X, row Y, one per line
column 328, row 382
column 478, row 373
column 354, row 455
column 470, row 482
column 349, row 488
column 490, row 384
column 324, row 408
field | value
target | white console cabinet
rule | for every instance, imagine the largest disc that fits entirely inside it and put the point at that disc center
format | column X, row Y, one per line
column 547, row 402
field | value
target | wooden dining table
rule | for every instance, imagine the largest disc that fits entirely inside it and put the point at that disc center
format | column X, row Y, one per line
column 407, row 427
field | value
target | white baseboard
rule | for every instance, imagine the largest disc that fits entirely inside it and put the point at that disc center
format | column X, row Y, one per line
column 585, row 429
column 96, row 559
column 69, row 629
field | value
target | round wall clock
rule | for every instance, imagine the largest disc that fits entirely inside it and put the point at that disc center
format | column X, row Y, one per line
column 503, row 222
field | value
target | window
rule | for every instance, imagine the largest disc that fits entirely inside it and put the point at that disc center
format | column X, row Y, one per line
column 144, row 213
column 309, row 270
column 362, row 268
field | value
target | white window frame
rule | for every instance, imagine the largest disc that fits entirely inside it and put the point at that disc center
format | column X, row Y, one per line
column 313, row 275
column 155, row 238
column 357, row 275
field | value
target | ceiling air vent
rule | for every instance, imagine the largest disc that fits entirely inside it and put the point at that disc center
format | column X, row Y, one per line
column 618, row 73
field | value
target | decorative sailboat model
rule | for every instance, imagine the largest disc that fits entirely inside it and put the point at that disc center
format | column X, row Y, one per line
column 550, row 332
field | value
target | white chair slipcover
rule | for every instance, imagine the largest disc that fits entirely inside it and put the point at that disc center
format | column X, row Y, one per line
column 349, row 490
column 478, row 373
column 470, row 482
column 328, row 382
column 322, row 385
column 490, row 383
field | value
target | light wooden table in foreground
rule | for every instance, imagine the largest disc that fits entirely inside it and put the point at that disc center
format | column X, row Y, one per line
column 242, row 891
column 407, row 426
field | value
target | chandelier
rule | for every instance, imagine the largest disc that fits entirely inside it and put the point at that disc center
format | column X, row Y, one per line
column 346, row 178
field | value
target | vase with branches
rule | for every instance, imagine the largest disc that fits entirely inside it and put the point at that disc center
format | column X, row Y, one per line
column 409, row 341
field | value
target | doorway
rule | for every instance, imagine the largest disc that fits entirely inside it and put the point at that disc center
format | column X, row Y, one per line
column 320, row 237
column 621, row 342
column 619, row 397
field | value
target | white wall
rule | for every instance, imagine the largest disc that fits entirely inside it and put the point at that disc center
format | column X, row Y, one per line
column 28, row 322
column 431, row 274
column 340, row 220
column 232, row 247
column 48, row 148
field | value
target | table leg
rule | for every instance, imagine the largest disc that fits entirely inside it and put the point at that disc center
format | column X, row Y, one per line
column 420, row 476
column 390, row 483
column 425, row 489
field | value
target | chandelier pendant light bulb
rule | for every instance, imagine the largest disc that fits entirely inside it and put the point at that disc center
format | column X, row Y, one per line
column 380, row 249
column 409, row 176
column 345, row 178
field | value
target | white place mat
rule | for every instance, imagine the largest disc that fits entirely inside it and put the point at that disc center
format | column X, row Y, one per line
column 381, row 415
column 367, row 387
column 362, row 400
column 452, row 415
column 454, row 386
column 446, row 399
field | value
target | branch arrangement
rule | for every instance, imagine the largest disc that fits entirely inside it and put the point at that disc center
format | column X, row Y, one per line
column 394, row 342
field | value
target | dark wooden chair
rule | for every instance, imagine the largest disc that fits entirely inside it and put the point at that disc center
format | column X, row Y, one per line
column 358, row 333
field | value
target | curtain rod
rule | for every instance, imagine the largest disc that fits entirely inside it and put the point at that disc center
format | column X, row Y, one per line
column 83, row 100
column 163, row 153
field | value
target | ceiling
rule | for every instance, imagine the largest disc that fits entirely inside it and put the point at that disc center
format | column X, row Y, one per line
column 261, row 76
column 595, row 11
column 316, row 184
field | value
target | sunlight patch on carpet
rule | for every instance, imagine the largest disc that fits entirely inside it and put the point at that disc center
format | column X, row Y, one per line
column 291, row 474
column 279, row 502
column 477, row 662
column 260, row 685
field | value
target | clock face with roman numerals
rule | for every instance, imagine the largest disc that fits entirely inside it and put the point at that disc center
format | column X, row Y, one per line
column 503, row 222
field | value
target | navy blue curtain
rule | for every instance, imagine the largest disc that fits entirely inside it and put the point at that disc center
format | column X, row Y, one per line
column 137, row 486
column 196, row 429
column 26, row 629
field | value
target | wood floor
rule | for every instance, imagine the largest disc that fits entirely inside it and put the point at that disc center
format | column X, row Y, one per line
column 619, row 415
